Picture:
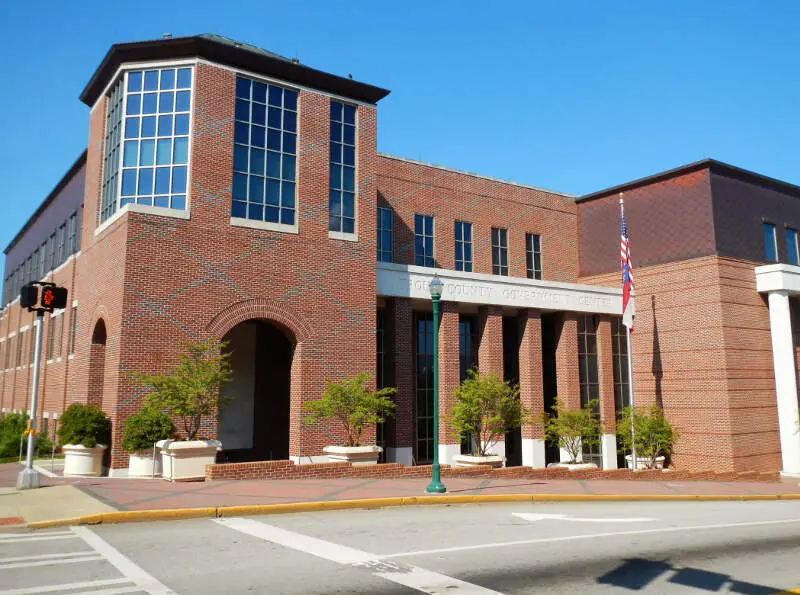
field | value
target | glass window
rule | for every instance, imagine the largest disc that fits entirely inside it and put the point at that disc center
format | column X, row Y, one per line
column 111, row 152
column 424, row 388
column 73, row 328
column 770, row 243
column 61, row 238
column 384, row 234
column 533, row 255
column 20, row 340
column 791, row 246
column 463, row 235
column 156, row 145
column 619, row 350
column 264, row 153
column 499, row 251
column 51, row 336
column 72, row 233
column 589, row 375
column 51, row 252
column 342, row 168
column 423, row 240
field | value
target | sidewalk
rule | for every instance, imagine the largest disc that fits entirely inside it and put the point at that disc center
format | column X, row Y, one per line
column 63, row 498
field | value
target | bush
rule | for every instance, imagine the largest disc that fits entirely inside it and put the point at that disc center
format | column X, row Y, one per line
column 571, row 429
column 85, row 425
column 12, row 427
column 144, row 428
column 192, row 390
column 353, row 405
column 654, row 435
column 487, row 408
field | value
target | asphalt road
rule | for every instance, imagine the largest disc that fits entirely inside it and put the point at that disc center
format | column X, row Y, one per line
column 750, row 548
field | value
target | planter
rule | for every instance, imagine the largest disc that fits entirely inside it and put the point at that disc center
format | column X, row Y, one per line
column 642, row 463
column 82, row 461
column 493, row 461
column 186, row 460
column 572, row 466
column 144, row 464
column 358, row 456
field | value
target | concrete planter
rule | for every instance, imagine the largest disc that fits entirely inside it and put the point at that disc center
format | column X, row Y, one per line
column 572, row 466
column 493, row 461
column 144, row 464
column 82, row 461
column 358, row 456
column 642, row 463
column 186, row 460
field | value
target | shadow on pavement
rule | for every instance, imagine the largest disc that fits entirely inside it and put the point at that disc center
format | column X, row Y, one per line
column 637, row 573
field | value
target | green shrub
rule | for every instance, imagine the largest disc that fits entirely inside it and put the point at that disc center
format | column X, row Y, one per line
column 351, row 404
column 487, row 408
column 571, row 429
column 144, row 428
column 654, row 435
column 12, row 427
column 191, row 391
column 85, row 425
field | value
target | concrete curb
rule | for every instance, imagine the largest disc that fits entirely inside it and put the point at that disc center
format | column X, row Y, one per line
column 134, row 516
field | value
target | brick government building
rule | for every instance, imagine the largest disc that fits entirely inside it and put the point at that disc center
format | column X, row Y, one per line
column 227, row 192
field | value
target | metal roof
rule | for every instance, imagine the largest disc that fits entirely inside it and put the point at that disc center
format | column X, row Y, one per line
column 223, row 50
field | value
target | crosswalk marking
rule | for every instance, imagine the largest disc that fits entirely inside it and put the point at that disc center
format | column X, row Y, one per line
column 65, row 586
column 46, row 556
column 414, row 577
column 33, row 536
column 89, row 557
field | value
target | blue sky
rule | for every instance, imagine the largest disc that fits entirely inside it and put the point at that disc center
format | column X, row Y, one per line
column 571, row 96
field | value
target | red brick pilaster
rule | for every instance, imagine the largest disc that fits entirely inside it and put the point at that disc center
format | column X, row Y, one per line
column 400, row 427
column 490, row 340
column 531, row 391
column 567, row 372
column 605, row 361
column 449, row 369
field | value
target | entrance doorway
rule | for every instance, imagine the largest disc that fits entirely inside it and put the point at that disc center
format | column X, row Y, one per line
column 549, row 383
column 254, row 424
column 97, row 364
column 511, row 375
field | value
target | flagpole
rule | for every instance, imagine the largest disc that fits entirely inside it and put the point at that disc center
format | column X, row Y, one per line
column 630, row 368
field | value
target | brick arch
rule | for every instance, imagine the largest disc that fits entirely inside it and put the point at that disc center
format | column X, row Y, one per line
column 260, row 309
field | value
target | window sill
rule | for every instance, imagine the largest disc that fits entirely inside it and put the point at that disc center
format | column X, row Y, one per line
column 265, row 225
column 144, row 209
column 339, row 235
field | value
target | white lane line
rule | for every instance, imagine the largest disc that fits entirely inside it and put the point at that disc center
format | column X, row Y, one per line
column 110, row 591
column 65, row 587
column 47, row 556
column 126, row 566
column 481, row 546
column 527, row 516
column 29, row 539
column 88, row 558
column 414, row 577
column 32, row 535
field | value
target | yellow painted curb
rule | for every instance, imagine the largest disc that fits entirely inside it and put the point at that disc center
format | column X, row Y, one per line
column 131, row 516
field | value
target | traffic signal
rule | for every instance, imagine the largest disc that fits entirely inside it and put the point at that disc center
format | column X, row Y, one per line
column 43, row 296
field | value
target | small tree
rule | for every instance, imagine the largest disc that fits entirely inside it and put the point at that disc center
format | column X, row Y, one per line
column 350, row 403
column 487, row 408
column 192, row 390
column 12, row 429
column 144, row 428
column 653, row 434
column 571, row 429
column 85, row 425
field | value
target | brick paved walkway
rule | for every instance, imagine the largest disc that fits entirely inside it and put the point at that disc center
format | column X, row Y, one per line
column 147, row 494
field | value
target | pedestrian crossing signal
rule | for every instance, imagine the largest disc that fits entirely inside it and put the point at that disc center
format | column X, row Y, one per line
column 43, row 297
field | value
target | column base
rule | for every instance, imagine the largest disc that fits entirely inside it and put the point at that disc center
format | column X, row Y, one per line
column 400, row 454
column 608, row 445
column 533, row 453
column 447, row 452
column 28, row 479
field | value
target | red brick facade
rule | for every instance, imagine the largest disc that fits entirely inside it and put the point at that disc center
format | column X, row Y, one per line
column 143, row 283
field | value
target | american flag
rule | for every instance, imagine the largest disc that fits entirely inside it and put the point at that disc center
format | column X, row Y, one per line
column 628, row 306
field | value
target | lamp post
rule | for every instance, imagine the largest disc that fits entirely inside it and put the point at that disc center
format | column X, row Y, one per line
column 436, row 486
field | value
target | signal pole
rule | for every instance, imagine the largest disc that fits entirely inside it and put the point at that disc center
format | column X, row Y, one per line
column 39, row 297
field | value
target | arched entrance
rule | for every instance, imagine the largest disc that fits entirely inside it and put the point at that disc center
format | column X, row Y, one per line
column 97, row 364
column 254, row 425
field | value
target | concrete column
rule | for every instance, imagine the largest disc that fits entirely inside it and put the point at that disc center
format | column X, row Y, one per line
column 780, row 324
column 531, row 390
column 490, row 352
column 605, row 360
column 567, row 371
column 449, row 380
column 400, row 426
